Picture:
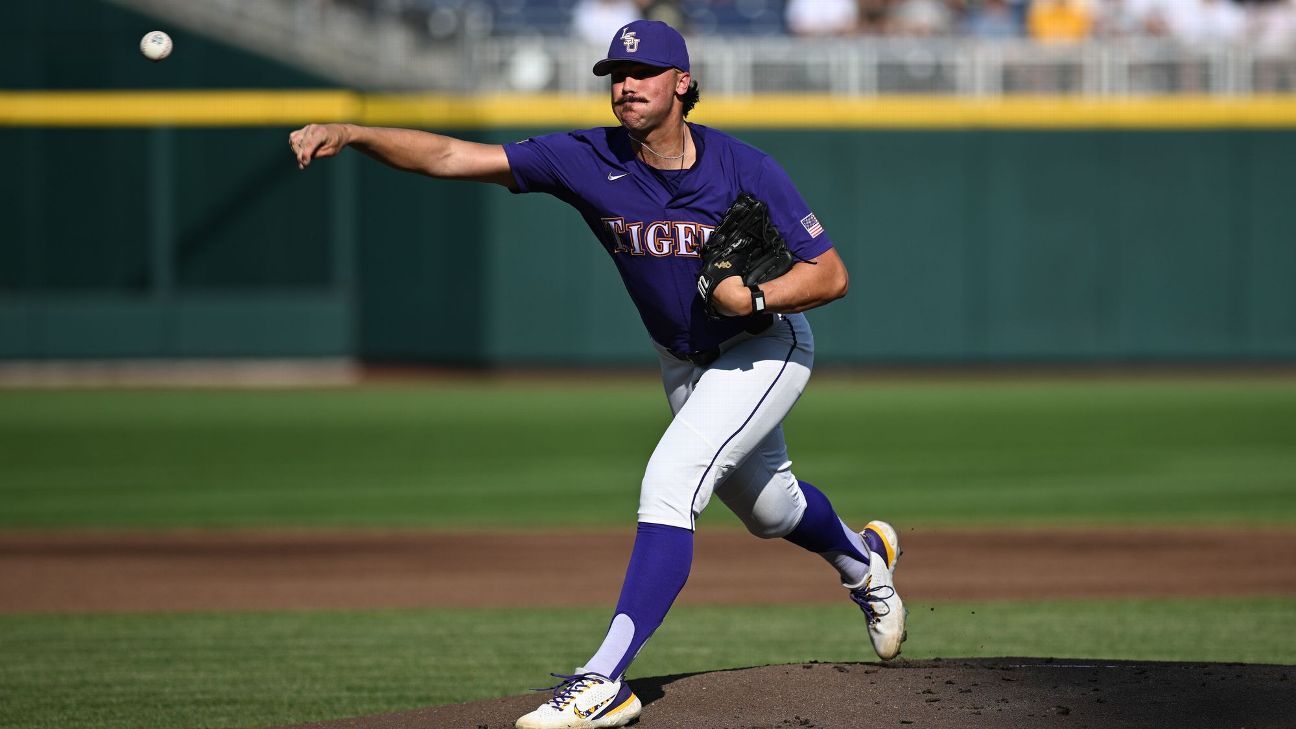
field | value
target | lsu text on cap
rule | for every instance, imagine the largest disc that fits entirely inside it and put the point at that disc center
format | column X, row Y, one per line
column 650, row 42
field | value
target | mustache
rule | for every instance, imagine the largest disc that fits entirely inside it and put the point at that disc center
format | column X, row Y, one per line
column 626, row 99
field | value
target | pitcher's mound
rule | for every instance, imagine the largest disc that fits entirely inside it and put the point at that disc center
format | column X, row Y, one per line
column 938, row 694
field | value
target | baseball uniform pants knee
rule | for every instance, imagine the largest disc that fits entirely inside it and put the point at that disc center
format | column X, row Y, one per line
column 763, row 493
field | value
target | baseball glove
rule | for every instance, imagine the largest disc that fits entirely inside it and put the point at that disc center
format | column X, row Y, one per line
column 745, row 244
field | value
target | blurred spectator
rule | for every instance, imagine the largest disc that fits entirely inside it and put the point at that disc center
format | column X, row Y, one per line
column 1192, row 22
column 1275, row 43
column 873, row 16
column 1151, row 16
column 1269, row 26
column 1128, row 18
column 992, row 19
column 667, row 11
column 1020, row 8
column 1196, row 22
column 1275, row 34
column 1054, row 21
column 822, row 17
column 595, row 21
column 922, row 18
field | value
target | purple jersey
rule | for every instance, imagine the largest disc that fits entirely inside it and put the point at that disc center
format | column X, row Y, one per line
column 652, row 222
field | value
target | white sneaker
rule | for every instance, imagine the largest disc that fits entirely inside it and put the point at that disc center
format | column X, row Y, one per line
column 876, row 594
column 585, row 701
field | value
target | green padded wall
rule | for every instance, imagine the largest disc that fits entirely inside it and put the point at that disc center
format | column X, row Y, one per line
column 157, row 242
column 89, row 44
column 962, row 246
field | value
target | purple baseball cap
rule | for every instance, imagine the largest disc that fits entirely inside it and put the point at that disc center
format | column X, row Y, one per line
column 650, row 42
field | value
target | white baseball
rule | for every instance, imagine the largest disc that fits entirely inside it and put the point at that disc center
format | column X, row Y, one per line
column 155, row 45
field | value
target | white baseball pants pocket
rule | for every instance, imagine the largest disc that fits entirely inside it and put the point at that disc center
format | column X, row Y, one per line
column 726, row 437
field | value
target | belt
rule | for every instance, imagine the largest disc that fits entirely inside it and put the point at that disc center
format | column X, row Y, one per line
column 704, row 357
column 700, row 358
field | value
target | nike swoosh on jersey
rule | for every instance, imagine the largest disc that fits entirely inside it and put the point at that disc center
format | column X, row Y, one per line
column 614, row 178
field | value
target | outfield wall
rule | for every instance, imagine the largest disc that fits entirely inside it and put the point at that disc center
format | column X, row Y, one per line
column 174, row 223
column 964, row 244
column 980, row 245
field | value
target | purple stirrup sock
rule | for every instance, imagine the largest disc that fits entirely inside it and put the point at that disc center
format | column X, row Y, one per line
column 823, row 532
column 659, row 567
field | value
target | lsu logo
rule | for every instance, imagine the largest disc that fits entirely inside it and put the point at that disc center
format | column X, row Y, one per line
column 724, row 264
column 630, row 41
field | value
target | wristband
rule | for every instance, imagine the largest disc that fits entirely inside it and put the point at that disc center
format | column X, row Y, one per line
column 758, row 299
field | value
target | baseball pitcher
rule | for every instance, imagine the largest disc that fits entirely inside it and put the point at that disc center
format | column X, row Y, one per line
column 720, row 255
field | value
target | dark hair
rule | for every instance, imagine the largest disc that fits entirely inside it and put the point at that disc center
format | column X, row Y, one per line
column 691, row 97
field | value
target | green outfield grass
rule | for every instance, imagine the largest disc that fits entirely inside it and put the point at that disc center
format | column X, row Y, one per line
column 479, row 454
column 180, row 671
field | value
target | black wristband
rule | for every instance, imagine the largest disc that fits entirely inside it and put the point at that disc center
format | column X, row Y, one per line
column 758, row 299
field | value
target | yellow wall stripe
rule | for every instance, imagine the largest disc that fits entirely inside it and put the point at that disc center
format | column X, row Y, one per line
column 496, row 111
column 172, row 108
column 902, row 112
column 287, row 108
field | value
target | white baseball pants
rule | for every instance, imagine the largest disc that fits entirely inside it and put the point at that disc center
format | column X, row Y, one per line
column 726, row 436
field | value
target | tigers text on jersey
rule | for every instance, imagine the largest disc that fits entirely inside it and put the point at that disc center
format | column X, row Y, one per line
column 652, row 222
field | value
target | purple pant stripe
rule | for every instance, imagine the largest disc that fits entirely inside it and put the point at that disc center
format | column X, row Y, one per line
column 752, row 414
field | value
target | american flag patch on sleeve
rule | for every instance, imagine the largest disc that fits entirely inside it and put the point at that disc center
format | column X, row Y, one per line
column 812, row 226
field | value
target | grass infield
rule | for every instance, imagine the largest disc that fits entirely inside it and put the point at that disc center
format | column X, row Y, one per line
column 230, row 670
column 468, row 454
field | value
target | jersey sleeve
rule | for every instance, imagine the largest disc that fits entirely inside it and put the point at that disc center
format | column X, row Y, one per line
column 805, row 237
column 540, row 164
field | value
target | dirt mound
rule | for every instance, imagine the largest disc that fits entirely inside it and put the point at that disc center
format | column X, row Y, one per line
column 940, row 694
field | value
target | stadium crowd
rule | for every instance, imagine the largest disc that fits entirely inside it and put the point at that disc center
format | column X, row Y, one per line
column 1270, row 24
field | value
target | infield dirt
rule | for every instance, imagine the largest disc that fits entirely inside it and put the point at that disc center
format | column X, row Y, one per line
column 247, row 570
